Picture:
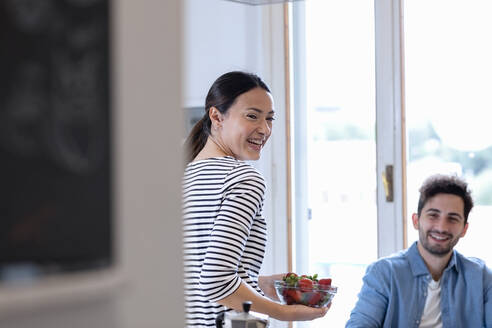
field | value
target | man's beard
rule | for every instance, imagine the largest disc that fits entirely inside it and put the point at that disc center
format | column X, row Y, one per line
column 438, row 250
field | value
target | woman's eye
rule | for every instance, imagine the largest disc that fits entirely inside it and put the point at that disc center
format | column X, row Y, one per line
column 270, row 119
column 253, row 116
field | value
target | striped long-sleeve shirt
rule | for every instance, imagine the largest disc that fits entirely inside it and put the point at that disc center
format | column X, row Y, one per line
column 224, row 234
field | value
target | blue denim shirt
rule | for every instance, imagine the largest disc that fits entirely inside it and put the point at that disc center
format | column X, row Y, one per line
column 395, row 289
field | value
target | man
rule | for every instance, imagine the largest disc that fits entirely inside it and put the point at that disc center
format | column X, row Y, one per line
column 429, row 284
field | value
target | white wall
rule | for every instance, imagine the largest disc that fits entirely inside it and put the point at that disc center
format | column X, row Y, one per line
column 148, row 165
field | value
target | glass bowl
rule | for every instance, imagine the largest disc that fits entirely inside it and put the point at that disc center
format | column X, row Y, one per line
column 317, row 296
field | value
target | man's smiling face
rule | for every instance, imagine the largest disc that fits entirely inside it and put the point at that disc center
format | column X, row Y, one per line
column 441, row 224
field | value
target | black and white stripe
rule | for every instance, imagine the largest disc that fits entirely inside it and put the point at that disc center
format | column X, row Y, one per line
column 224, row 234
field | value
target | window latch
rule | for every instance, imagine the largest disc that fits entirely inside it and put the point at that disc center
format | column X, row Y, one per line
column 388, row 182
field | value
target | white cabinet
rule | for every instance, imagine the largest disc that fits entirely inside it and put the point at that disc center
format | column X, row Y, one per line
column 219, row 36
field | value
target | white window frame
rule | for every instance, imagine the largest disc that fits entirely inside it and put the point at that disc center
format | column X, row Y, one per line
column 390, row 135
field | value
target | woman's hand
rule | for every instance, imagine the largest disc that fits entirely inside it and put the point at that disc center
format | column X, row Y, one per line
column 263, row 305
column 301, row 313
column 266, row 284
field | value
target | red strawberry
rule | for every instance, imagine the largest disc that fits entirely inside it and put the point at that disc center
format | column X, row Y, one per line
column 324, row 283
column 305, row 284
column 290, row 279
column 289, row 300
column 290, row 274
column 295, row 295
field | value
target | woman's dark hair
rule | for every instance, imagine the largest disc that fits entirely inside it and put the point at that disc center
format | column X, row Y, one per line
column 222, row 94
column 445, row 184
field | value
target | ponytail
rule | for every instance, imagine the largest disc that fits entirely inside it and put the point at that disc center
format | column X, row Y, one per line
column 197, row 138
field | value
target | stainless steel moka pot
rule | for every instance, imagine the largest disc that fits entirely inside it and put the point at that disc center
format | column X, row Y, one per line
column 241, row 320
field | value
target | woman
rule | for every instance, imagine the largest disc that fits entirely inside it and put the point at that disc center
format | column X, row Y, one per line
column 224, row 231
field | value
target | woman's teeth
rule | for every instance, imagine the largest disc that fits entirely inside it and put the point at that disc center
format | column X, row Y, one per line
column 256, row 142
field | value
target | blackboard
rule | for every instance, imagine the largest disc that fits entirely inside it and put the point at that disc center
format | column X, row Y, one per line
column 55, row 136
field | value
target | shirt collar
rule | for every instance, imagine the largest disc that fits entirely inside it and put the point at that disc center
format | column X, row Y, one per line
column 453, row 262
column 417, row 263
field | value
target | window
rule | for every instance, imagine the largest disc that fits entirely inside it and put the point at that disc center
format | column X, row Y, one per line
column 339, row 103
column 448, row 78
column 334, row 116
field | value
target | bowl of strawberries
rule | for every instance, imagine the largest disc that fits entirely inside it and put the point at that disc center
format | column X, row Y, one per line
column 305, row 290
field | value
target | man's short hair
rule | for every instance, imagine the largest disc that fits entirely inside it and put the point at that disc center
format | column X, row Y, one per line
column 445, row 184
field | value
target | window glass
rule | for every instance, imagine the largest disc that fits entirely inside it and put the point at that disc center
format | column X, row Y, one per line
column 448, row 78
column 340, row 97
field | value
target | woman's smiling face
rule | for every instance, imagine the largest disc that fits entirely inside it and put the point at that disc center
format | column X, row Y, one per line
column 245, row 128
